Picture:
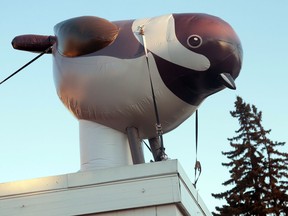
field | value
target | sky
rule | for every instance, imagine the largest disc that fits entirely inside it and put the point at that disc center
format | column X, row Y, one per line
column 39, row 137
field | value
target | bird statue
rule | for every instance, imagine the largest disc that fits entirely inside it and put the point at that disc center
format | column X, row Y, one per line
column 121, row 74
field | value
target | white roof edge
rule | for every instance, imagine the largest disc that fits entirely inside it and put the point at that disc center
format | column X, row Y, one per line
column 172, row 183
column 99, row 176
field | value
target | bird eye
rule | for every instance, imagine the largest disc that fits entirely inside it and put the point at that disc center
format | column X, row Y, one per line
column 194, row 41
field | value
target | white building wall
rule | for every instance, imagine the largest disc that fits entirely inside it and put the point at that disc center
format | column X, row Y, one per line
column 160, row 188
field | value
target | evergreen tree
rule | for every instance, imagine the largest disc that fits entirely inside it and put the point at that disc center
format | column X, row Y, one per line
column 276, row 167
column 258, row 171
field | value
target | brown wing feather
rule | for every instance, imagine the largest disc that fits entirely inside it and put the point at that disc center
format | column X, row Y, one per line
column 84, row 35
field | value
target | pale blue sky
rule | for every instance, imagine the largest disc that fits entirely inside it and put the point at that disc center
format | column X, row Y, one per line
column 39, row 137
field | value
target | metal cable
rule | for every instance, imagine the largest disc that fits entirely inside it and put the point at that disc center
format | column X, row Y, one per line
column 34, row 59
column 197, row 166
column 159, row 131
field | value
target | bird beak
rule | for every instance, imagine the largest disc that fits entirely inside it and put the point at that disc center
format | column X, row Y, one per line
column 228, row 80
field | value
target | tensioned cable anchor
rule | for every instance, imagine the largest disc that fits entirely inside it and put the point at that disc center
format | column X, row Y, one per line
column 34, row 59
column 162, row 155
column 197, row 166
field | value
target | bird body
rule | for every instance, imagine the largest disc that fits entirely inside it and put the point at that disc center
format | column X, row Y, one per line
column 121, row 78
column 102, row 68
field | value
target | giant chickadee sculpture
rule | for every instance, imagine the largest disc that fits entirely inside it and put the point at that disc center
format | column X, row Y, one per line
column 102, row 68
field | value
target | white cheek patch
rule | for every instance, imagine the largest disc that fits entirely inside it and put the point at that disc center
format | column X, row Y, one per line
column 161, row 39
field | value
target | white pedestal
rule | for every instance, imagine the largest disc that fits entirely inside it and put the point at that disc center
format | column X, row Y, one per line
column 160, row 188
column 102, row 147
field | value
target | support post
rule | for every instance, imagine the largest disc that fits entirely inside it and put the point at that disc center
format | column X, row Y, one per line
column 135, row 145
column 102, row 147
column 155, row 147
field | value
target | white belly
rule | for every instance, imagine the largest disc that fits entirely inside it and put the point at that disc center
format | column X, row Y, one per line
column 117, row 93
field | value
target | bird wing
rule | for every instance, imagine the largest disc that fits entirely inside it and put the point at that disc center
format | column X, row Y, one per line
column 83, row 35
